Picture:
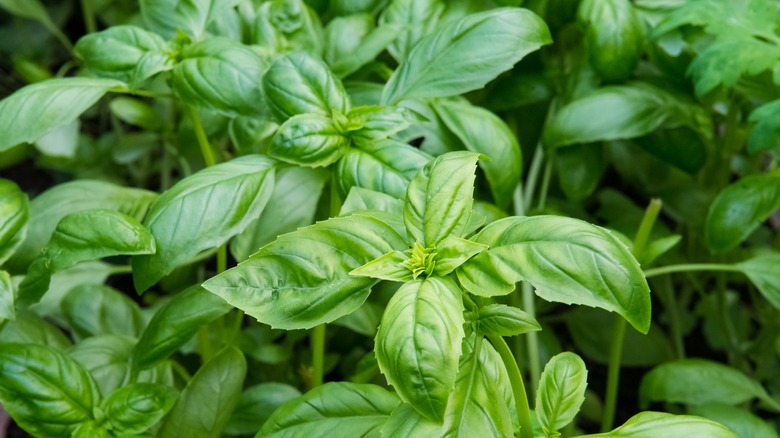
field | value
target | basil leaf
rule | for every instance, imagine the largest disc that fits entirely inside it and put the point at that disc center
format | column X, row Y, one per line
column 765, row 134
column 566, row 260
column 364, row 321
column 419, row 342
column 251, row 135
column 369, row 47
column 561, row 392
column 739, row 209
column 310, row 140
column 29, row 328
column 376, row 123
column 91, row 430
column 94, row 309
column 439, row 198
column 256, row 405
column 614, row 35
column 342, row 408
column 62, row 282
column 14, row 212
column 203, row 211
column 34, row 10
column 762, row 271
column 742, row 422
column 503, row 320
column 580, row 168
column 174, row 324
column 7, row 307
column 302, row 278
column 166, row 17
column 46, row 392
column 137, row 407
column 453, row 252
column 680, row 147
column 288, row 26
column 37, row 109
column 300, row 84
column 417, row 18
column 483, row 132
column 388, row 267
column 436, row 66
column 647, row 424
column 207, row 402
column 365, row 199
column 136, row 112
column 343, row 35
column 221, row 75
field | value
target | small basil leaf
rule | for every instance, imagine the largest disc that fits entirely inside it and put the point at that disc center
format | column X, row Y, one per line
column 741, row 421
column 300, row 84
column 135, row 408
column 342, row 408
column 14, row 212
column 659, row 247
column 614, row 34
column 741, row 208
column 388, row 267
column 29, row 328
column 174, row 324
column 37, row 109
column 365, row 199
column 286, row 26
column 453, row 252
column 503, row 320
column 136, row 112
column 436, row 66
column 62, row 282
column 369, row 47
column 343, row 35
column 762, row 271
column 417, row 18
column 256, row 405
column 566, row 260
column 207, row 402
column 765, row 134
column 36, row 379
column 251, row 135
column 310, row 140
column 580, row 168
column 91, row 429
column 7, row 308
column 203, row 211
column 561, row 392
column 167, row 17
column 647, row 424
column 420, row 336
column 302, row 278
column 376, row 123
column 94, row 309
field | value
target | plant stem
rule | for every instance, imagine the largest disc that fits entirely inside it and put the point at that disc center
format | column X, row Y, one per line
column 120, row 269
column 200, row 134
column 646, row 226
column 204, row 342
column 89, row 16
column 613, row 374
column 533, row 177
column 690, row 267
column 518, row 388
column 532, row 338
column 664, row 291
column 222, row 259
column 317, row 355
column 545, row 184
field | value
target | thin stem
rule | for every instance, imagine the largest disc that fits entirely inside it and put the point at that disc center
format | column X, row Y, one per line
column 200, row 134
column 204, row 342
column 518, row 388
column 666, row 294
column 545, row 184
column 533, row 176
column 317, row 355
column 120, row 269
column 690, row 267
column 613, row 374
column 237, row 323
column 222, row 259
column 646, row 227
column 181, row 371
column 89, row 16
column 532, row 338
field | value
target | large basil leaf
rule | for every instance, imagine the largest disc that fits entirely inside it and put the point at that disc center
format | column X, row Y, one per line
column 419, row 342
column 417, row 18
column 310, row 140
column 208, row 400
column 7, row 307
column 221, row 75
column 40, row 108
column 29, row 328
column 762, row 271
column 14, row 212
column 483, row 132
column 336, row 408
column 46, row 392
column 299, row 83
column 647, row 424
column 741, row 208
column 561, row 392
column 135, row 408
column 436, row 67
column 256, row 405
column 203, row 211
column 741, row 421
column 566, row 260
column 166, row 17
column 439, row 198
column 174, row 324
column 292, row 205
column 95, row 309
column 614, row 34
column 302, row 278
column 287, row 26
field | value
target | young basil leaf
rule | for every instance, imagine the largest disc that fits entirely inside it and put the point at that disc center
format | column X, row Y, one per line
column 14, row 212
column 135, row 408
column 419, row 342
column 29, row 328
column 384, row 166
column 369, row 47
column 174, row 324
column 762, row 271
column 646, row 424
column 343, row 35
column 221, row 75
column 207, row 402
column 203, row 211
column 300, row 84
column 483, row 132
column 658, row 247
column 388, row 267
column 566, row 260
column 302, row 278
column 436, row 66
column 376, row 123
column 288, row 26
column 614, row 35
column 136, row 112
column 46, row 392
column 503, row 320
column 95, row 309
column 439, row 198
column 167, row 17
column 343, row 408
column 310, row 140
column 682, row 382
column 741, row 421
column 453, row 252
column 561, row 392
column 364, row 199
column 417, row 18
column 765, row 134
column 37, row 109
column 91, row 429
column 7, row 307
column 292, row 205
column 256, row 405
column 741, row 208
column 580, row 168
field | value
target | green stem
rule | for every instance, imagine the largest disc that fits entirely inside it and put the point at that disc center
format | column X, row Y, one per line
column 89, row 16
column 120, row 269
column 646, row 226
column 317, row 355
column 690, row 267
column 532, row 339
column 200, row 134
column 204, row 342
column 613, row 374
column 222, row 259
column 545, row 184
column 518, row 388
column 181, row 371
column 533, row 177
column 666, row 294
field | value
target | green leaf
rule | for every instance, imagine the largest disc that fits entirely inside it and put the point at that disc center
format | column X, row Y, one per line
column 364, row 321
column 365, row 199
column 698, row 382
column 439, row 198
column 287, row 26
column 29, row 328
column 40, row 108
column 135, row 408
column 302, row 279
column 256, row 405
column 292, row 205
column 739, row 209
column 680, row 147
column 614, row 35
column 207, row 402
column 369, row 47
column 34, row 10
column 503, row 320
column 580, row 168
column 167, row 17
column 727, row 59
column 136, row 112
column 174, row 324
column 310, row 140
column 221, row 75
column 566, row 260
column 419, row 342
column 742, row 422
column 453, row 252
column 203, row 211
column 376, row 123
column 300, row 84
column 385, row 166
column 14, row 212
column 483, row 132
column 416, row 18
column 436, row 67
column 46, row 392
column 762, row 271
column 388, row 267
column 62, row 282
column 561, row 392
column 765, row 134
column 94, row 309
column 7, row 307
column 343, row 35
column 647, row 424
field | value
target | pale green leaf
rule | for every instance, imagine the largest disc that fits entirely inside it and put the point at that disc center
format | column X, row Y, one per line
column 388, row 267
column 652, row 424
column 765, row 134
column 7, row 307
column 29, row 328
column 376, row 123
column 561, row 392
column 366, row 199
column 369, row 47
column 742, row 422
column 416, row 18
column 453, row 252
column 283, row 26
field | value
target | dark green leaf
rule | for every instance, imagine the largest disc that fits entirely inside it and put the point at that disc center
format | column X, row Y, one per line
column 166, row 17
column 137, row 407
column 310, row 140
column 29, row 328
column 561, row 392
column 651, row 424
column 256, row 405
column 762, row 270
column 417, row 18
column 34, row 10
column 503, row 320
column 94, row 309
column 680, row 147
column 14, row 212
column 580, row 168
column 364, row 320
column 765, row 134
column 614, row 35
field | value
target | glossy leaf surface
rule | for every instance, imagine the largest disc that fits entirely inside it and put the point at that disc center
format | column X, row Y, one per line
column 561, row 392
column 647, row 424
column 310, row 140
column 137, row 407
column 503, row 320
column 384, row 166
